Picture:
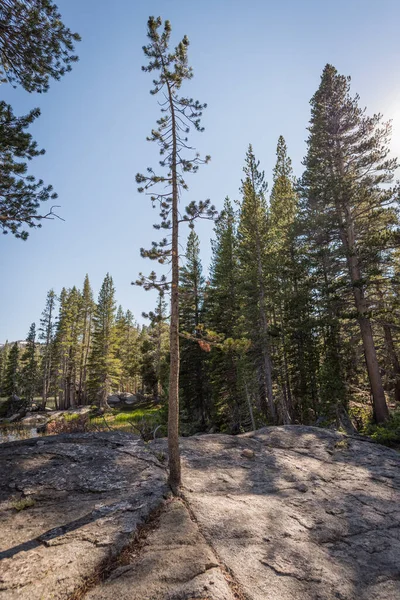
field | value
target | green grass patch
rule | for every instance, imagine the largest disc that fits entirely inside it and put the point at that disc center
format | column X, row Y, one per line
column 342, row 444
column 137, row 414
column 71, row 416
column 387, row 433
column 142, row 420
column 23, row 504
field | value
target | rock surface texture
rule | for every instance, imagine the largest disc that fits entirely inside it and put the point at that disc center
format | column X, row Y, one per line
column 87, row 493
column 285, row 513
column 313, row 516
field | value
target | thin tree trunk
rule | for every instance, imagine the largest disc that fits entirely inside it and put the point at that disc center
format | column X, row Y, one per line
column 286, row 371
column 381, row 411
column 266, row 353
column 85, row 365
column 346, row 222
column 83, row 355
column 47, row 363
column 104, row 397
column 265, row 343
column 253, row 424
column 173, row 400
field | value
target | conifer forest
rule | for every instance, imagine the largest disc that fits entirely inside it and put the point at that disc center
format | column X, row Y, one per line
column 200, row 321
column 297, row 318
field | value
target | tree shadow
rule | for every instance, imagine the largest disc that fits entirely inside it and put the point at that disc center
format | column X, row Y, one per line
column 88, row 494
column 314, row 514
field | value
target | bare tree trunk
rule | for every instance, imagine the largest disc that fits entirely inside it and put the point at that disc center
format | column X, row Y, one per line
column 381, row 411
column 105, row 390
column 286, row 372
column 46, row 377
column 266, row 354
column 159, row 325
column 83, row 361
column 173, row 400
column 85, row 365
column 347, row 232
column 253, row 424
column 47, row 360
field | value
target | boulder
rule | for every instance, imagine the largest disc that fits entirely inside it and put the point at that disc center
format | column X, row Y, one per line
column 33, row 419
column 13, row 406
column 126, row 395
column 14, row 418
column 113, row 400
column 130, row 400
column 123, row 399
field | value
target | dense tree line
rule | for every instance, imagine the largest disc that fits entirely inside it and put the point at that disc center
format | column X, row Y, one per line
column 293, row 312
column 301, row 310
column 84, row 351
column 297, row 320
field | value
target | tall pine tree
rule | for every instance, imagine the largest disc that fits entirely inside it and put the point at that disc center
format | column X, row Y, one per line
column 11, row 376
column 193, row 384
column 47, row 330
column 348, row 170
column 29, row 367
column 104, row 366
column 179, row 115
column 253, row 239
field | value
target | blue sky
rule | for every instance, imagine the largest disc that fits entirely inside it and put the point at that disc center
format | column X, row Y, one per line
column 256, row 63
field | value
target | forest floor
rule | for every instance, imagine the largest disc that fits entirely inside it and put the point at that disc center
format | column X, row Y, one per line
column 283, row 513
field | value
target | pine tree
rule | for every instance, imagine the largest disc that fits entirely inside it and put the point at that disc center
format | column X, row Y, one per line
column 87, row 311
column 104, row 366
column 120, row 330
column 193, row 385
column 11, row 379
column 128, row 349
column 129, row 354
column 223, row 317
column 59, row 353
column 20, row 194
column 47, row 330
column 72, row 344
column 35, row 45
column 155, row 350
column 4, row 352
column 253, row 239
column 66, row 347
column 281, row 267
column 179, row 115
column 323, row 260
column 348, row 169
column 11, row 374
column 29, row 375
column 290, row 292
column 148, row 366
